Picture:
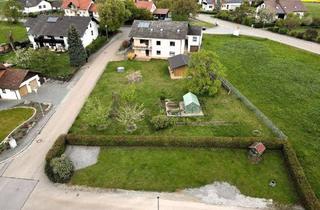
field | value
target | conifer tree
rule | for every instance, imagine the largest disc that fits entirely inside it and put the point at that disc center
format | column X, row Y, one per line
column 77, row 53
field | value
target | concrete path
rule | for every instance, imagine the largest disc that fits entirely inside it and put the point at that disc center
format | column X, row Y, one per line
column 47, row 196
column 226, row 27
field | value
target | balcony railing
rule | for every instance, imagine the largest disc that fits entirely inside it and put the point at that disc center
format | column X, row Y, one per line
column 141, row 47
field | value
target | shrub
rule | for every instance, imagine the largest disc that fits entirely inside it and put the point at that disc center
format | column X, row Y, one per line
column 310, row 34
column 318, row 39
column 56, row 150
column 249, row 21
column 299, row 35
column 275, row 29
column 293, row 33
column 292, row 21
column 96, row 45
column 283, row 30
column 125, row 44
column 304, row 189
column 131, row 56
column 62, row 169
column 306, row 21
column 315, row 22
column 258, row 25
column 280, row 23
column 161, row 122
column 223, row 15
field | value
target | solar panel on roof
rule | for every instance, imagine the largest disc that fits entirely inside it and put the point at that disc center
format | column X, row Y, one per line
column 143, row 25
column 52, row 19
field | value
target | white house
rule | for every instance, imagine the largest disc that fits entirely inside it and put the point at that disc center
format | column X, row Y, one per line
column 281, row 8
column 14, row 83
column 52, row 32
column 230, row 5
column 86, row 8
column 164, row 39
column 208, row 5
column 37, row 6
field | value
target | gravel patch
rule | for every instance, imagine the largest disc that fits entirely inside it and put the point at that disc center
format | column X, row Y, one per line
column 82, row 156
column 222, row 193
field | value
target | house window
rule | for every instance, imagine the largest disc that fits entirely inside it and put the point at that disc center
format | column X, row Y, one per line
column 172, row 44
column 91, row 33
column 44, row 6
column 158, row 43
column 210, row 7
column 194, row 38
column 172, row 53
column 158, row 52
column 90, row 25
column 4, row 91
column 40, row 7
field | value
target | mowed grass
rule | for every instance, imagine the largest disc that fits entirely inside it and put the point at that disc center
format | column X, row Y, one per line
column 172, row 169
column 18, row 31
column 284, row 82
column 200, row 23
column 313, row 8
column 10, row 119
column 233, row 118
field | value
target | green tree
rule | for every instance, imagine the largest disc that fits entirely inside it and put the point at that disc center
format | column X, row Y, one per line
column 113, row 14
column 218, row 5
column 135, row 13
column 244, row 11
column 182, row 9
column 12, row 10
column 292, row 21
column 77, row 53
column 96, row 114
column 205, row 72
column 265, row 16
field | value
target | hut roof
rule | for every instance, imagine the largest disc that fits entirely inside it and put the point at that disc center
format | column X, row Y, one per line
column 190, row 98
column 258, row 146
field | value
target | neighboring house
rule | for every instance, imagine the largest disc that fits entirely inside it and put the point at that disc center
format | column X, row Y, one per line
column 52, row 32
column 230, row 5
column 16, row 83
column 281, row 8
column 178, row 66
column 86, row 8
column 148, row 5
column 164, row 39
column 161, row 14
column 36, row 6
column 207, row 5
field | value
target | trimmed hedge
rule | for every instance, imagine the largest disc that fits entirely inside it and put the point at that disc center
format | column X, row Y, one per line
column 304, row 189
column 96, row 45
column 168, row 141
column 56, row 150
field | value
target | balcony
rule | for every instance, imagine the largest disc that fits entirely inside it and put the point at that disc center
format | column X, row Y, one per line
column 141, row 47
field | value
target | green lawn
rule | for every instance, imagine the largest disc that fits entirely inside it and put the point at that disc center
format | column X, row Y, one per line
column 10, row 119
column 157, row 169
column 284, row 82
column 2, row 2
column 237, row 120
column 195, row 22
column 18, row 30
column 313, row 8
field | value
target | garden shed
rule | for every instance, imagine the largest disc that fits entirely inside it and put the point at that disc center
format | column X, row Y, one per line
column 191, row 103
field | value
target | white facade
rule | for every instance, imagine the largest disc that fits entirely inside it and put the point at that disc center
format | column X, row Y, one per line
column 88, row 37
column 277, row 16
column 207, row 7
column 194, row 41
column 41, row 7
column 15, row 94
column 230, row 6
column 78, row 12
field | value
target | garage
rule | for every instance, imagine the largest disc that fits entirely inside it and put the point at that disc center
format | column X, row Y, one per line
column 23, row 90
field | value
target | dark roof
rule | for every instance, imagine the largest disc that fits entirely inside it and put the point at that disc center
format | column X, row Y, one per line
column 284, row 6
column 12, row 78
column 232, row 1
column 56, row 4
column 195, row 30
column 159, row 29
column 178, row 61
column 41, row 25
column 30, row 3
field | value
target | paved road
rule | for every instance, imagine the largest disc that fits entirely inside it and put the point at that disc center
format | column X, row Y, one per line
column 226, row 27
column 29, row 165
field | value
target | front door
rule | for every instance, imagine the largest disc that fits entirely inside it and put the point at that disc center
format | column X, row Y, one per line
column 147, row 52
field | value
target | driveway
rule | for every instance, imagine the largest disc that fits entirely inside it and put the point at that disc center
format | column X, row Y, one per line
column 226, row 27
column 29, row 164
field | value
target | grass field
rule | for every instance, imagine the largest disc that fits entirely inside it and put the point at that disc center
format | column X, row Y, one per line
column 237, row 120
column 157, row 169
column 313, row 8
column 200, row 23
column 284, row 82
column 10, row 119
column 18, row 30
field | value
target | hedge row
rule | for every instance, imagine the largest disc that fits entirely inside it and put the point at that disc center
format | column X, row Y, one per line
column 96, row 45
column 56, row 150
column 305, row 191
column 168, row 141
column 309, row 34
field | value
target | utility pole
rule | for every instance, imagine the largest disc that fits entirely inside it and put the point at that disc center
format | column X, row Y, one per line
column 158, row 201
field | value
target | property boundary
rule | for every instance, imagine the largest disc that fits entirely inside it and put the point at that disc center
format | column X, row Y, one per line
column 227, row 85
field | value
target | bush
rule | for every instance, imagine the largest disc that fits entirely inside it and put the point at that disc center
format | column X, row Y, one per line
column 304, row 189
column 223, row 15
column 310, row 34
column 96, row 45
column 293, row 33
column 306, row 21
column 161, row 122
column 299, row 35
column 124, row 45
column 249, row 21
column 275, row 29
column 56, row 150
column 62, row 169
column 318, row 39
column 315, row 22
column 283, row 30
column 258, row 25
column 292, row 21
